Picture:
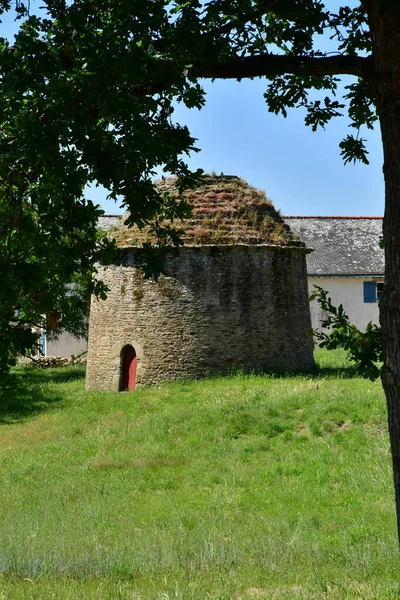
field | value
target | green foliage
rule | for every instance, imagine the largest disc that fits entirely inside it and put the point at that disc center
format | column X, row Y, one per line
column 364, row 348
column 67, row 119
column 353, row 149
column 350, row 29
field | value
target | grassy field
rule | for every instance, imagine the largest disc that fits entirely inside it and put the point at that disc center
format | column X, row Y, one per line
column 243, row 487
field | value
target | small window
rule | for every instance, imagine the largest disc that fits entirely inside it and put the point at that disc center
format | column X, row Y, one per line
column 373, row 291
column 369, row 291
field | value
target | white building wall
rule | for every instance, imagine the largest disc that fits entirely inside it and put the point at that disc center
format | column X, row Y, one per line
column 66, row 345
column 348, row 291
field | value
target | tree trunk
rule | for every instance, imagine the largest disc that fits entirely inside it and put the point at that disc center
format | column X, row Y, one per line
column 390, row 302
column 384, row 21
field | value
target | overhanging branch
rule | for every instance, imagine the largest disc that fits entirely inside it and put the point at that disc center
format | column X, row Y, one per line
column 270, row 65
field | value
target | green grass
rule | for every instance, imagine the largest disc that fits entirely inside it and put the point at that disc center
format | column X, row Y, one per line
column 240, row 487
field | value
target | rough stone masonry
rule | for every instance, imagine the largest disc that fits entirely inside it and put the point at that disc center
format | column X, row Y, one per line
column 217, row 308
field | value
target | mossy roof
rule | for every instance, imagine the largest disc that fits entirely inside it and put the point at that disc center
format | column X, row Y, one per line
column 225, row 211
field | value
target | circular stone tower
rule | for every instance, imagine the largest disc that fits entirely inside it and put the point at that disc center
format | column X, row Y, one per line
column 234, row 296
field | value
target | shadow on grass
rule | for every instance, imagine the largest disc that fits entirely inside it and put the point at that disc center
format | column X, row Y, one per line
column 30, row 394
column 350, row 372
column 317, row 372
column 52, row 375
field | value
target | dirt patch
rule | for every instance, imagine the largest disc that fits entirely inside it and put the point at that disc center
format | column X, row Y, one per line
column 25, row 434
column 341, row 425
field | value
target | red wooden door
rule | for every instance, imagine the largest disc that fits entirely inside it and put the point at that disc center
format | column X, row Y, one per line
column 129, row 366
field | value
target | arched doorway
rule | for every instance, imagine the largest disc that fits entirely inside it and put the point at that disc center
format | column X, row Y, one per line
column 128, row 369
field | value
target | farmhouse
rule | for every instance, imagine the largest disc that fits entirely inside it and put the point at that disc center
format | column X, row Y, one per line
column 347, row 261
column 235, row 295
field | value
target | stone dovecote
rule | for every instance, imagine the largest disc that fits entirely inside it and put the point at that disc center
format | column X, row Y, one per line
column 240, row 302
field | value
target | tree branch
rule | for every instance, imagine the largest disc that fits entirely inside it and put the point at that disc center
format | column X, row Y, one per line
column 270, row 65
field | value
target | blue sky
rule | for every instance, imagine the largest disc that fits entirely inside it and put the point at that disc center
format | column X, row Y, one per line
column 301, row 171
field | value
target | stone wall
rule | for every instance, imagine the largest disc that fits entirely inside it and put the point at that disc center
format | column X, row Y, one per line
column 45, row 362
column 216, row 309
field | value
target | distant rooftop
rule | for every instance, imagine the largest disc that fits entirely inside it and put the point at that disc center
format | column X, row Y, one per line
column 342, row 245
column 105, row 222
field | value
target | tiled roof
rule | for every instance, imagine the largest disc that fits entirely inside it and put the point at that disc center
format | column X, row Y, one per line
column 342, row 245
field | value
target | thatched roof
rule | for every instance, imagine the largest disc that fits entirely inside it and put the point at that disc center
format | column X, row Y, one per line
column 226, row 210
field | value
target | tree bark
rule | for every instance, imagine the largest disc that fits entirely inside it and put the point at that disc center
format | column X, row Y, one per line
column 270, row 65
column 385, row 28
column 390, row 302
column 263, row 65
